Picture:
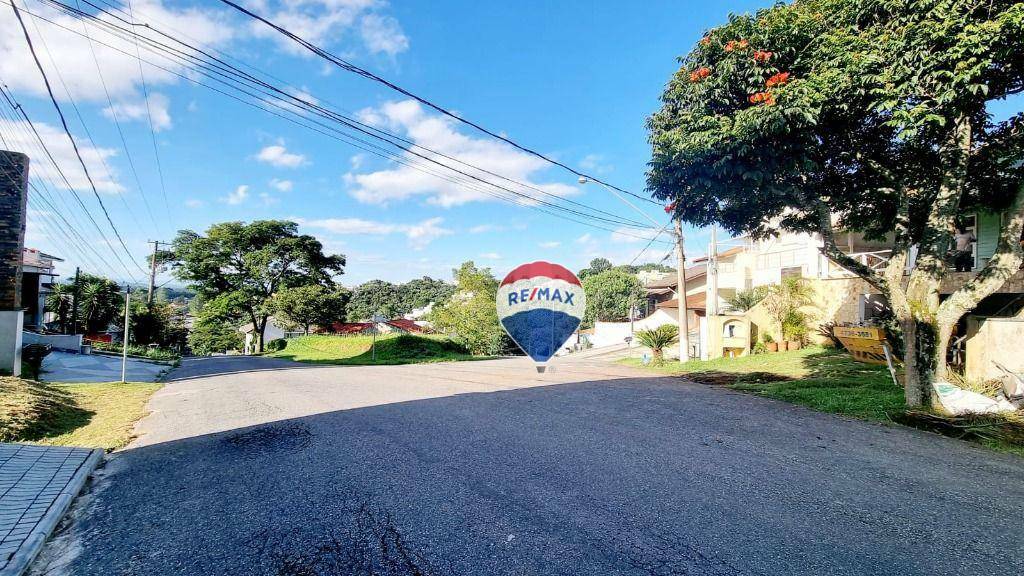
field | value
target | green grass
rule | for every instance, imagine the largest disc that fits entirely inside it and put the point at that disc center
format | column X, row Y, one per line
column 91, row 415
column 355, row 350
column 820, row 378
column 831, row 381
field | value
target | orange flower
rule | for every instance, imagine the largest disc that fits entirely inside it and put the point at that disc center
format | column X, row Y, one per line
column 777, row 79
column 700, row 74
column 766, row 98
column 730, row 45
column 705, row 41
column 762, row 56
column 743, row 44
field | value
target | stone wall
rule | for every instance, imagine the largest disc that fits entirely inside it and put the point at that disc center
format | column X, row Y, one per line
column 13, row 200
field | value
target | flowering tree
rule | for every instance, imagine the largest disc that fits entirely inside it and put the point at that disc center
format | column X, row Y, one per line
column 863, row 115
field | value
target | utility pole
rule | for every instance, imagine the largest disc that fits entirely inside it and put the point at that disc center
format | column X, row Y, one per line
column 124, row 348
column 712, row 304
column 684, row 329
column 75, row 291
column 152, row 269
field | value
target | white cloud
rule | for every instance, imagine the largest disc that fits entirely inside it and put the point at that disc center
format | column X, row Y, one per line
column 632, row 235
column 419, row 235
column 551, row 244
column 382, row 34
column 21, row 139
column 139, row 111
column 595, row 163
column 71, row 51
column 491, row 256
column 194, row 203
column 586, row 238
column 481, row 228
column 282, row 185
column 440, row 134
column 279, row 156
column 327, row 22
column 239, row 196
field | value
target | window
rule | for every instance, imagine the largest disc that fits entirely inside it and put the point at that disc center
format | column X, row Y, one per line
column 792, row 272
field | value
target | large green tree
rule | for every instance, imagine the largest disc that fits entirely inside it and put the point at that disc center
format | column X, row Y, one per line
column 470, row 316
column 251, row 262
column 611, row 295
column 863, row 115
column 374, row 297
column 216, row 325
column 311, row 305
column 420, row 292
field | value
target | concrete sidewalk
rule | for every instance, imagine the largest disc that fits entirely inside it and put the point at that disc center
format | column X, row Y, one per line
column 67, row 367
column 37, row 484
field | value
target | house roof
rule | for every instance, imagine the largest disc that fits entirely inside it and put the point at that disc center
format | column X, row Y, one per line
column 693, row 302
column 724, row 254
column 406, row 325
column 692, row 273
column 350, row 327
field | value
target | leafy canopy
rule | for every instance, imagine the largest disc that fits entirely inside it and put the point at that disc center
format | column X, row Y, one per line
column 470, row 317
column 611, row 295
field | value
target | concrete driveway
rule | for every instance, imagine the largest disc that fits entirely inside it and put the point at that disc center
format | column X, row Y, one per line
column 255, row 466
column 67, row 367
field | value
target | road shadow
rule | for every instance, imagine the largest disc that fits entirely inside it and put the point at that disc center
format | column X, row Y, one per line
column 628, row 476
column 205, row 366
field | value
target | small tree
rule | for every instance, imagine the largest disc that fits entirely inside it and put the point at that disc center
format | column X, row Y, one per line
column 59, row 302
column 744, row 300
column 611, row 296
column 374, row 297
column 470, row 317
column 216, row 325
column 597, row 265
column 306, row 306
column 784, row 301
column 657, row 339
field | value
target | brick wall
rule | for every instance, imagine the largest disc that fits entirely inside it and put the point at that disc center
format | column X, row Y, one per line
column 13, row 199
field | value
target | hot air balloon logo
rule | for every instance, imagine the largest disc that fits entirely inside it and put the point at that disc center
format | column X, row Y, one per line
column 540, row 305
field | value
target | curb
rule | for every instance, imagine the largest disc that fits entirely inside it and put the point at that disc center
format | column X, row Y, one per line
column 32, row 545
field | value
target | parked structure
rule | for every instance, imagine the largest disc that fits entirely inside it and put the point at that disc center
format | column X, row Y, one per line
column 37, row 279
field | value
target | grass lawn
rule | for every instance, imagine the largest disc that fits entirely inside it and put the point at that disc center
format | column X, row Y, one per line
column 92, row 415
column 820, row 378
column 830, row 381
column 355, row 350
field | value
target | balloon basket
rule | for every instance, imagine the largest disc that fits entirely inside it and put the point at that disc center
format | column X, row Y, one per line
column 545, row 369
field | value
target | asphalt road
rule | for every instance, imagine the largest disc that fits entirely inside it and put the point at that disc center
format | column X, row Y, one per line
column 261, row 467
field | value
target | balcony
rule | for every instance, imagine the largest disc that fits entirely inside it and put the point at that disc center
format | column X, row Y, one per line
column 877, row 260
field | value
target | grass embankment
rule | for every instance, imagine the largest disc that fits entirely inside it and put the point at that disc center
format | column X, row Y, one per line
column 355, row 350
column 91, row 415
column 831, row 381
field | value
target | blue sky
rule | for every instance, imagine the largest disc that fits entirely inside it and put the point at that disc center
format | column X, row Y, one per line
column 572, row 80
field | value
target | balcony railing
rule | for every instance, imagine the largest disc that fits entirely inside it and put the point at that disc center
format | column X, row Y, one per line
column 876, row 260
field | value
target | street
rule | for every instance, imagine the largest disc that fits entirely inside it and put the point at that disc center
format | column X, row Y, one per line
column 260, row 466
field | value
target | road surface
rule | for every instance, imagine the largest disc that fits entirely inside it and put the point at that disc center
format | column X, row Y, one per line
column 259, row 466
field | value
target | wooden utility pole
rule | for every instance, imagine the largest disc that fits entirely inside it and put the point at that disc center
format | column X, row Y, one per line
column 152, row 269
column 684, row 329
column 124, row 348
column 75, row 292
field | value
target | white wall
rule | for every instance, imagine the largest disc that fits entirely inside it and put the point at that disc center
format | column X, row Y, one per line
column 613, row 333
column 70, row 342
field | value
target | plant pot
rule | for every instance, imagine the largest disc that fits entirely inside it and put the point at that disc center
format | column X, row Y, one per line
column 793, row 345
column 772, row 346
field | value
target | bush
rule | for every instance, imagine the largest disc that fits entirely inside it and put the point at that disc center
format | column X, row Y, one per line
column 276, row 345
column 136, row 351
column 658, row 339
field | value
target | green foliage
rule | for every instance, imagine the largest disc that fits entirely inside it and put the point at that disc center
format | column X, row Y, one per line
column 374, row 297
column 276, row 345
column 420, row 292
column 842, row 105
column 597, row 265
column 101, row 303
column 138, row 351
column 250, row 262
column 311, row 305
column 657, row 339
column 611, row 295
column 216, row 325
column 355, row 350
column 794, row 327
column 744, row 300
column 59, row 302
column 157, row 323
column 470, row 316
column 784, row 301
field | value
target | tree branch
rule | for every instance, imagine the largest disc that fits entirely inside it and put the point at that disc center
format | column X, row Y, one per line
column 831, row 250
column 1005, row 262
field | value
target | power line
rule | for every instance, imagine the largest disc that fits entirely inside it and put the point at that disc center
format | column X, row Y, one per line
column 67, row 131
column 350, row 67
column 224, row 70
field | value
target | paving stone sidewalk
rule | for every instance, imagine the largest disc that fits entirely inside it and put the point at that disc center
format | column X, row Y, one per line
column 37, row 484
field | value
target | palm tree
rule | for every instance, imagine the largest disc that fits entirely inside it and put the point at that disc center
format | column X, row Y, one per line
column 746, row 299
column 59, row 301
column 658, row 339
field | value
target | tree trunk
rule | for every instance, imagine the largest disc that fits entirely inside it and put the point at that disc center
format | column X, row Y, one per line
column 259, row 336
column 918, row 361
